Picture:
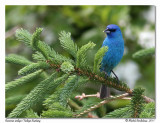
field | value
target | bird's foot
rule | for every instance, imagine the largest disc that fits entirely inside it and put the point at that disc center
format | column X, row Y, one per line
column 106, row 75
column 115, row 76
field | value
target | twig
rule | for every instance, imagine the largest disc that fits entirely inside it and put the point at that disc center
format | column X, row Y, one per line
column 126, row 98
column 80, row 97
column 90, row 115
column 147, row 99
column 110, row 81
column 11, row 32
column 101, row 79
column 102, row 103
column 73, row 104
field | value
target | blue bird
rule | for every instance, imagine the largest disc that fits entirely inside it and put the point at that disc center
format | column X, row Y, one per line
column 115, row 43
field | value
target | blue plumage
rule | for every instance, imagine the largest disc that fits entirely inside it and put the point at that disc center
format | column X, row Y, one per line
column 115, row 43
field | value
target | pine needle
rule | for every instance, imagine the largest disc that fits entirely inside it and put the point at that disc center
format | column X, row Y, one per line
column 17, row 59
column 81, row 54
column 24, row 36
column 98, row 58
column 23, row 80
column 67, row 43
column 143, row 53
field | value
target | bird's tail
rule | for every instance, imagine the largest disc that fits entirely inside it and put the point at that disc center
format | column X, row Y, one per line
column 104, row 91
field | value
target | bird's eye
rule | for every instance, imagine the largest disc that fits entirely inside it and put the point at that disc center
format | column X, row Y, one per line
column 112, row 30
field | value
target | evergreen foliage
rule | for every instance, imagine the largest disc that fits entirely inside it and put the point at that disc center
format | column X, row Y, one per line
column 134, row 110
column 22, row 80
column 119, row 113
column 67, row 67
column 56, row 108
column 16, row 59
column 67, row 43
column 31, row 114
column 98, row 58
column 143, row 53
column 57, row 114
column 87, row 105
column 14, row 99
column 24, row 36
column 81, row 54
column 33, row 67
column 55, row 91
column 137, row 102
column 67, row 90
column 38, row 56
column 36, row 38
column 148, row 111
column 33, row 97
column 59, row 59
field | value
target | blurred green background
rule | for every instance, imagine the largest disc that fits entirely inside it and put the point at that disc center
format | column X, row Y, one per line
column 86, row 23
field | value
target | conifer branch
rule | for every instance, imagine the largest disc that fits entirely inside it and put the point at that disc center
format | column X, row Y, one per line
column 135, row 109
column 37, row 93
column 31, row 114
column 22, row 80
column 66, row 91
column 32, row 97
column 143, row 53
column 120, row 113
column 137, row 102
column 39, row 45
column 98, row 58
column 52, row 99
column 33, row 67
column 67, row 67
column 24, row 36
column 67, row 43
column 55, row 109
column 72, row 74
column 102, row 103
column 73, row 104
column 59, row 59
column 111, row 82
column 16, row 59
column 38, row 56
column 148, row 111
column 14, row 99
column 57, row 114
column 44, row 49
column 36, row 38
column 81, row 54
column 126, row 112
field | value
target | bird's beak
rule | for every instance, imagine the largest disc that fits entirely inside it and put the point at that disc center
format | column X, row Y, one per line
column 107, row 31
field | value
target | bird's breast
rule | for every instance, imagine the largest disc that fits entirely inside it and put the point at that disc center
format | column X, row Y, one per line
column 114, row 54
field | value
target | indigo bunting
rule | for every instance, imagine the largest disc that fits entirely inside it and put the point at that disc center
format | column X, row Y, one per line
column 115, row 43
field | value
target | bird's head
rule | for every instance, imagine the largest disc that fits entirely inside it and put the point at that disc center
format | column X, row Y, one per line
column 113, row 30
